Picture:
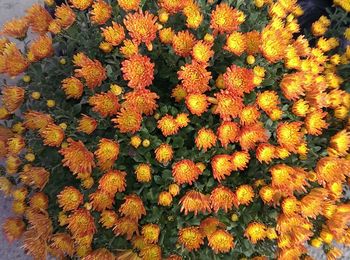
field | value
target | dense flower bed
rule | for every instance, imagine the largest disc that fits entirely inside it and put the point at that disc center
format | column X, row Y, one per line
column 176, row 129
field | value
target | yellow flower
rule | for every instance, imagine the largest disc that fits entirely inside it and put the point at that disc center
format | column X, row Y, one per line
column 135, row 141
column 191, row 238
column 222, row 166
column 227, row 133
column 245, row 194
column 108, row 218
column 150, row 232
column 106, row 153
column 315, row 122
column 341, row 142
column 182, row 120
column 151, row 252
column 81, row 4
column 202, row 51
column 72, row 87
column 114, row 34
column 205, row 139
column 143, row 172
column 129, row 5
column 166, row 35
column 129, row 48
column 174, row 189
column 225, row 19
column 65, row 16
column 221, row 241
column 197, row 103
column 165, row 199
column 236, row 43
column 164, row 153
column 255, row 231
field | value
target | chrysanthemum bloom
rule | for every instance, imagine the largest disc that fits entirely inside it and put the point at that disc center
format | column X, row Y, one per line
column 290, row 206
column 174, row 189
column 182, row 120
column 128, row 121
column 12, row 163
column 38, row 18
column 251, row 135
column 55, row 27
column 69, row 198
column 143, row 172
column 292, row 85
column 222, row 198
column 244, row 194
column 265, row 152
column 52, row 135
column 183, row 43
column 300, row 108
column 164, row 153
column 289, row 135
column 101, row 253
column 341, row 142
column 138, row 70
column 315, row 122
column 81, row 223
column 141, row 26
column 114, row 34
column 13, row 228
column 249, row 115
column 142, row 100
column 129, row 48
column 195, row 78
column 172, row 6
column 39, row 200
column 239, row 80
column 77, row 158
column 132, row 207
column 252, row 40
column 165, row 199
column 209, row 225
column 227, row 133
column 34, row 244
column 236, row 43
column 193, row 14
column 101, row 200
column 106, row 153
column 16, row 28
column 101, row 12
column 197, row 103
column 72, row 87
column 128, row 5
column 15, row 144
column 240, row 160
column 14, row 62
column 12, row 97
column 40, row 48
column 106, row 104
column 205, row 139
column 150, row 232
column 108, row 218
column 221, row 241
column 5, row 185
column 65, row 15
column 168, row 125
column 87, row 124
column 202, row 51
column 228, row 105
column 225, row 19
column 267, row 193
column 194, row 201
column 166, row 35
column 35, row 176
column 81, row 4
column 191, row 238
column 112, row 182
column 255, row 231
column 335, row 252
column 151, row 252
column 281, row 176
column 222, row 166
column 62, row 244
column 185, row 171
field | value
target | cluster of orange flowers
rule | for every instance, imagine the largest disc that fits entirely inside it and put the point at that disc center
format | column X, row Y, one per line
column 311, row 93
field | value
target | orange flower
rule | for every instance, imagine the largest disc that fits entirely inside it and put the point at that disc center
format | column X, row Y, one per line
column 126, row 226
column 315, row 122
column 128, row 120
column 87, row 124
column 77, row 158
column 183, row 43
column 172, row 6
column 221, row 241
column 191, row 238
column 14, row 62
column 281, row 176
column 141, row 26
column 12, row 97
column 253, row 40
column 240, row 160
column 106, row 104
column 38, row 18
column 114, row 34
column 209, row 225
column 222, row 198
column 251, row 135
column 138, row 70
column 151, row 252
column 52, row 135
column 205, row 139
column 166, row 35
column 249, row 115
column 164, row 153
column 222, row 166
column 150, row 232
column 290, row 206
column 197, row 103
column 185, row 171
column 81, row 223
column 101, row 12
column 193, row 14
column 168, row 125
column 16, row 28
column 195, row 78
column 143, row 172
column 107, row 153
column 72, row 87
column 165, row 199
column 227, row 133
column 265, row 152
column 129, row 48
column 194, row 201
column 40, row 48
column 69, row 198
column 239, row 80
column 101, row 253
column 132, row 207
column 101, row 200
column 289, row 135
column 225, row 19
column 229, row 105
column 341, row 142
column 91, row 70
column 81, row 4
column 202, row 51
column 292, row 85
column 112, row 182
column 267, row 194
column 182, row 120
column 108, row 218
column 255, row 231
column 236, row 43
column 35, row 176
column 65, row 16
column 129, row 5
column 142, row 100
column 300, row 107
column 245, row 194
column 267, row 100
column 62, row 244
column 13, row 228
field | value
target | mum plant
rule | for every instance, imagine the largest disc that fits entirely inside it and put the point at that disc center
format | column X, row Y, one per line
column 176, row 129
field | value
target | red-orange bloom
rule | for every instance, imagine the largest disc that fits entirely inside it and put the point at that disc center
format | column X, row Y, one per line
column 13, row 228
column 106, row 104
column 113, row 182
column 129, row 5
column 225, row 19
column 128, row 120
column 253, row 40
column 40, row 48
column 114, row 34
column 221, row 241
column 315, row 122
column 185, row 171
column 289, row 135
column 205, row 139
column 229, row 105
column 132, row 207
column 168, row 125
column 16, row 28
column 239, row 80
column 194, row 201
column 69, row 198
column 101, row 12
column 183, row 43
column 191, row 237
column 143, row 100
column 222, row 166
column 172, row 6
column 240, row 160
column 228, row 133
column 72, row 87
column 65, row 16
column 107, row 153
column 38, row 18
column 52, row 135
column 222, row 198
column 81, row 4
column 12, row 61
column 81, row 223
column 138, row 70
column 197, row 103
column 251, row 135
column 195, row 78
column 12, row 97
column 87, row 124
